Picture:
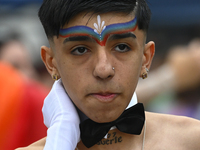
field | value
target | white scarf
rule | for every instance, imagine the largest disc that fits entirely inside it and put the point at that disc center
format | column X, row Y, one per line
column 62, row 119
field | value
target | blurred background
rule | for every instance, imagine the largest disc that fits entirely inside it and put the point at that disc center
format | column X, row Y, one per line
column 173, row 85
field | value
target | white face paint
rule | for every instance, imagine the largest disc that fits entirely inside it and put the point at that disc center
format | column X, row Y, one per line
column 99, row 27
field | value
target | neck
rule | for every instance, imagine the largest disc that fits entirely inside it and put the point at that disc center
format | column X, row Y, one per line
column 117, row 140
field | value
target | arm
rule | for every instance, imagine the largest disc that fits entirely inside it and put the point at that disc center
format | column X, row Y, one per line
column 180, row 72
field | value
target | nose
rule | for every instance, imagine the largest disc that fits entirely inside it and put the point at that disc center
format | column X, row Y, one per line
column 103, row 67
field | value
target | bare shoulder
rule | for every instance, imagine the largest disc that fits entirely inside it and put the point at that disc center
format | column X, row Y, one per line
column 182, row 131
column 38, row 145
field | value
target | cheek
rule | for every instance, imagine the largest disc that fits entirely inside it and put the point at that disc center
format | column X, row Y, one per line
column 131, row 66
column 129, row 73
column 67, row 73
column 73, row 78
column 73, row 86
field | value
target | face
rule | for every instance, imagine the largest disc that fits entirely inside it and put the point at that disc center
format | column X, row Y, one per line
column 99, row 67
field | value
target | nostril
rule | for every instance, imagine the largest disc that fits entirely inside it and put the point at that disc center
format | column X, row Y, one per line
column 109, row 76
column 104, row 78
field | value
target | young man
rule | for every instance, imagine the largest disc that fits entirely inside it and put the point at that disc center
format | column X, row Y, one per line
column 98, row 50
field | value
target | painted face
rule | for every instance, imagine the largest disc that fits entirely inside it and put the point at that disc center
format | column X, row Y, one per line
column 85, row 54
column 101, row 33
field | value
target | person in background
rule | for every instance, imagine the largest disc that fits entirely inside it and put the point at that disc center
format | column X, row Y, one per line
column 21, row 98
column 173, row 88
column 12, row 51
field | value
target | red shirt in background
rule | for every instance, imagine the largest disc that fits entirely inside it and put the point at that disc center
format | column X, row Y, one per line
column 21, row 100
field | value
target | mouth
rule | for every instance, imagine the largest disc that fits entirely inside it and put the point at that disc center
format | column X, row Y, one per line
column 104, row 97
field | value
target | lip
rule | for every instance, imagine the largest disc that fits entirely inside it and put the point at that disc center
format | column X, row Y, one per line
column 105, row 97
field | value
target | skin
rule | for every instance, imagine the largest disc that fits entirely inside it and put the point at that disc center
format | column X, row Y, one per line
column 96, row 89
column 163, row 132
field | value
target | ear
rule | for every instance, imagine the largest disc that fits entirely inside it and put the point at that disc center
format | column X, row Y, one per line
column 48, row 58
column 148, row 54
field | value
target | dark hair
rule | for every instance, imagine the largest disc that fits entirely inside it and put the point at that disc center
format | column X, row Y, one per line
column 54, row 14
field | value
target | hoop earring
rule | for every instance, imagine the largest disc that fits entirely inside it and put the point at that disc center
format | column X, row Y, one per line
column 55, row 77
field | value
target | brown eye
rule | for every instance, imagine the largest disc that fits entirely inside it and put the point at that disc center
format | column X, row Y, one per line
column 79, row 51
column 122, row 48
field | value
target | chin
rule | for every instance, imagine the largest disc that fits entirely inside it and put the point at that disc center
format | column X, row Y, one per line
column 105, row 113
column 104, row 118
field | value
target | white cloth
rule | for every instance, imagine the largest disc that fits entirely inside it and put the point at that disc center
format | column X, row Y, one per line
column 133, row 101
column 62, row 119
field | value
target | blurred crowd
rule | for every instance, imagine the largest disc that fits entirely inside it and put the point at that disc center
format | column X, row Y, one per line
column 172, row 86
column 24, row 81
column 21, row 96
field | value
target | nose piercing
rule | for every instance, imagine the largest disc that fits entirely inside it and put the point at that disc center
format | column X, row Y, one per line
column 113, row 68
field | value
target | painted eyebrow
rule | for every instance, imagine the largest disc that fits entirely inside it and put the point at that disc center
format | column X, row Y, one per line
column 78, row 38
column 122, row 36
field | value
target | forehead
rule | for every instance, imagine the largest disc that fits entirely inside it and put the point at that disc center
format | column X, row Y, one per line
column 99, row 26
column 88, row 19
column 101, row 32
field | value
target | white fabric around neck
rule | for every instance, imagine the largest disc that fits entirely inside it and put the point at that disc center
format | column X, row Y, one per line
column 62, row 119
column 133, row 101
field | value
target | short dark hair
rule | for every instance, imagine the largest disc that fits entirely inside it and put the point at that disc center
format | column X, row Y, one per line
column 54, row 14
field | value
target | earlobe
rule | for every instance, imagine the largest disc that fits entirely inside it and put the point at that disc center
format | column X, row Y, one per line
column 148, row 54
column 47, row 56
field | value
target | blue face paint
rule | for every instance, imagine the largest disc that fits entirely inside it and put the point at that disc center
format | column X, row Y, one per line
column 102, row 37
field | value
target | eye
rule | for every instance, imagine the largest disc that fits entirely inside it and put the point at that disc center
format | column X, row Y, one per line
column 122, row 48
column 79, row 51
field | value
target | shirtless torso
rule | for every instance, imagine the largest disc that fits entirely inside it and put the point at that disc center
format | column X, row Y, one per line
column 163, row 132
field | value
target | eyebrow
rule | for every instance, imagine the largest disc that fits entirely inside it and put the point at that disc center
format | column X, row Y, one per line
column 122, row 36
column 78, row 38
